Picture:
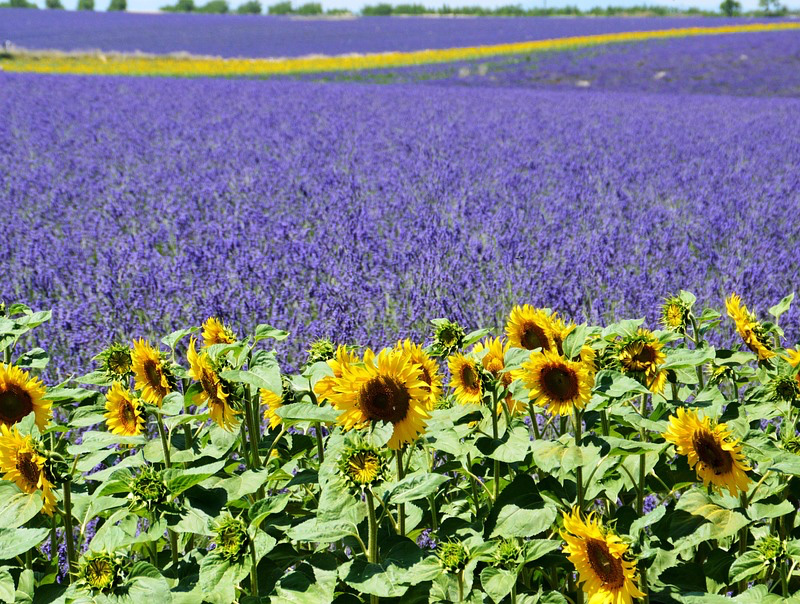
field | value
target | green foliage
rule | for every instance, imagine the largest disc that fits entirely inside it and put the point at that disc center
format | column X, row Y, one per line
column 214, row 7
column 476, row 508
column 280, row 8
column 117, row 5
column 252, row 7
column 85, row 5
column 181, row 6
column 53, row 4
column 309, row 8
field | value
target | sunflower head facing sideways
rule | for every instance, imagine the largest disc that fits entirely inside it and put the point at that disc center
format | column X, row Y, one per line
column 600, row 557
column 216, row 332
column 150, row 373
column 640, row 356
column 556, row 383
column 124, row 413
column 752, row 332
column 710, row 449
column 383, row 388
column 23, row 462
column 100, row 571
column 530, row 328
column 213, row 391
column 429, row 369
column 21, row 394
column 448, row 337
column 465, row 379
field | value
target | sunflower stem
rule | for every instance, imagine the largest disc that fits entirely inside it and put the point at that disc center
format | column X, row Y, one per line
column 534, row 423
column 640, row 501
column 372, row 556
column 473, row 484
column 434, row 519
column 253, row 570
column 173, row 548
column 251, row 428
column 68, row 537
column 698, row 343
column 401, row 508
column 320, row 448
column 514, row 594
column 461, row 586
column 495, row 436
column 164, row 442
column 577, row 416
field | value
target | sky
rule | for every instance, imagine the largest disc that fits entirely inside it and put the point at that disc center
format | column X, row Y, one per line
column 355, row 5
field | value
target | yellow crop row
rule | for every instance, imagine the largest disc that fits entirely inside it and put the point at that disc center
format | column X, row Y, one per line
column 187, row 66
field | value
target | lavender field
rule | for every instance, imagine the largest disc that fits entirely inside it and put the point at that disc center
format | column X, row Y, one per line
column 269, row 36
column 361, row 211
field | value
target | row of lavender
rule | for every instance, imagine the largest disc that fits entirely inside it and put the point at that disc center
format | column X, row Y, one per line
column 358, row 212
column 262, row 36
column 742, row 64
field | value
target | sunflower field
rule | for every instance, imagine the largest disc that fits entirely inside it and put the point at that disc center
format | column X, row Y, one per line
column 540, row 461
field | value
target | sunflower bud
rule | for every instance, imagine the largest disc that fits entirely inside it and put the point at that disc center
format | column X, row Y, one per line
column 769, row 548
column 116, row 362
column 453, row 556
column 363, row 465
column 785, row 388
column 507, row 553
column 149, row 492
column 321, row 350
column 100, row 571
column 231, row 539
column 448, row 337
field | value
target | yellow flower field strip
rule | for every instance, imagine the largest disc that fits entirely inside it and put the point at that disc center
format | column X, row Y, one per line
column 168, row 65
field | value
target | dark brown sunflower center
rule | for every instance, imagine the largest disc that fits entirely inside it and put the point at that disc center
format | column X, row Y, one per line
column 384, row 399
column 646, row 356
column 28, row 468
column 469, row 377
column 15, row 403
column 711, row 453
column 426, row 376
column 560, row 382
column 127, row 414
column 533, row 336
column 607, row 568
column 209, row 384
column 153, row 374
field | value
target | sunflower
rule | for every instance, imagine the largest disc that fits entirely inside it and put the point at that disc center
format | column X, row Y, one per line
column 272, row 402
column 793, row 356
column 149, row 372
column 640, row 356
column 465, row 379
column 21, row 394
column 115, row 361
column 675, row 314
column 216, row 332
column 23, row 464
column 100, row 571
column 751, row 330
column 213, row 390
column 343, row 359
column 599, row 558
column 123, row 412
column 384, row 388
column 556, row 383
column 717, row 456
column 429, row 369
column 494, row 362
column 530, row 328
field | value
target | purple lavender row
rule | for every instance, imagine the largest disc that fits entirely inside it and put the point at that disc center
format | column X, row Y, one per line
column 270, row 36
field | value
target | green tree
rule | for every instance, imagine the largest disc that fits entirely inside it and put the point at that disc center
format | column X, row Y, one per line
column 252, row 7
column 117, row 5
column 377, row 10
column 310, row 8
column 85, row 4
column 730, row 8
column 772, row 7
column 54, row 4
column 281, row 8
column 214, row 7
